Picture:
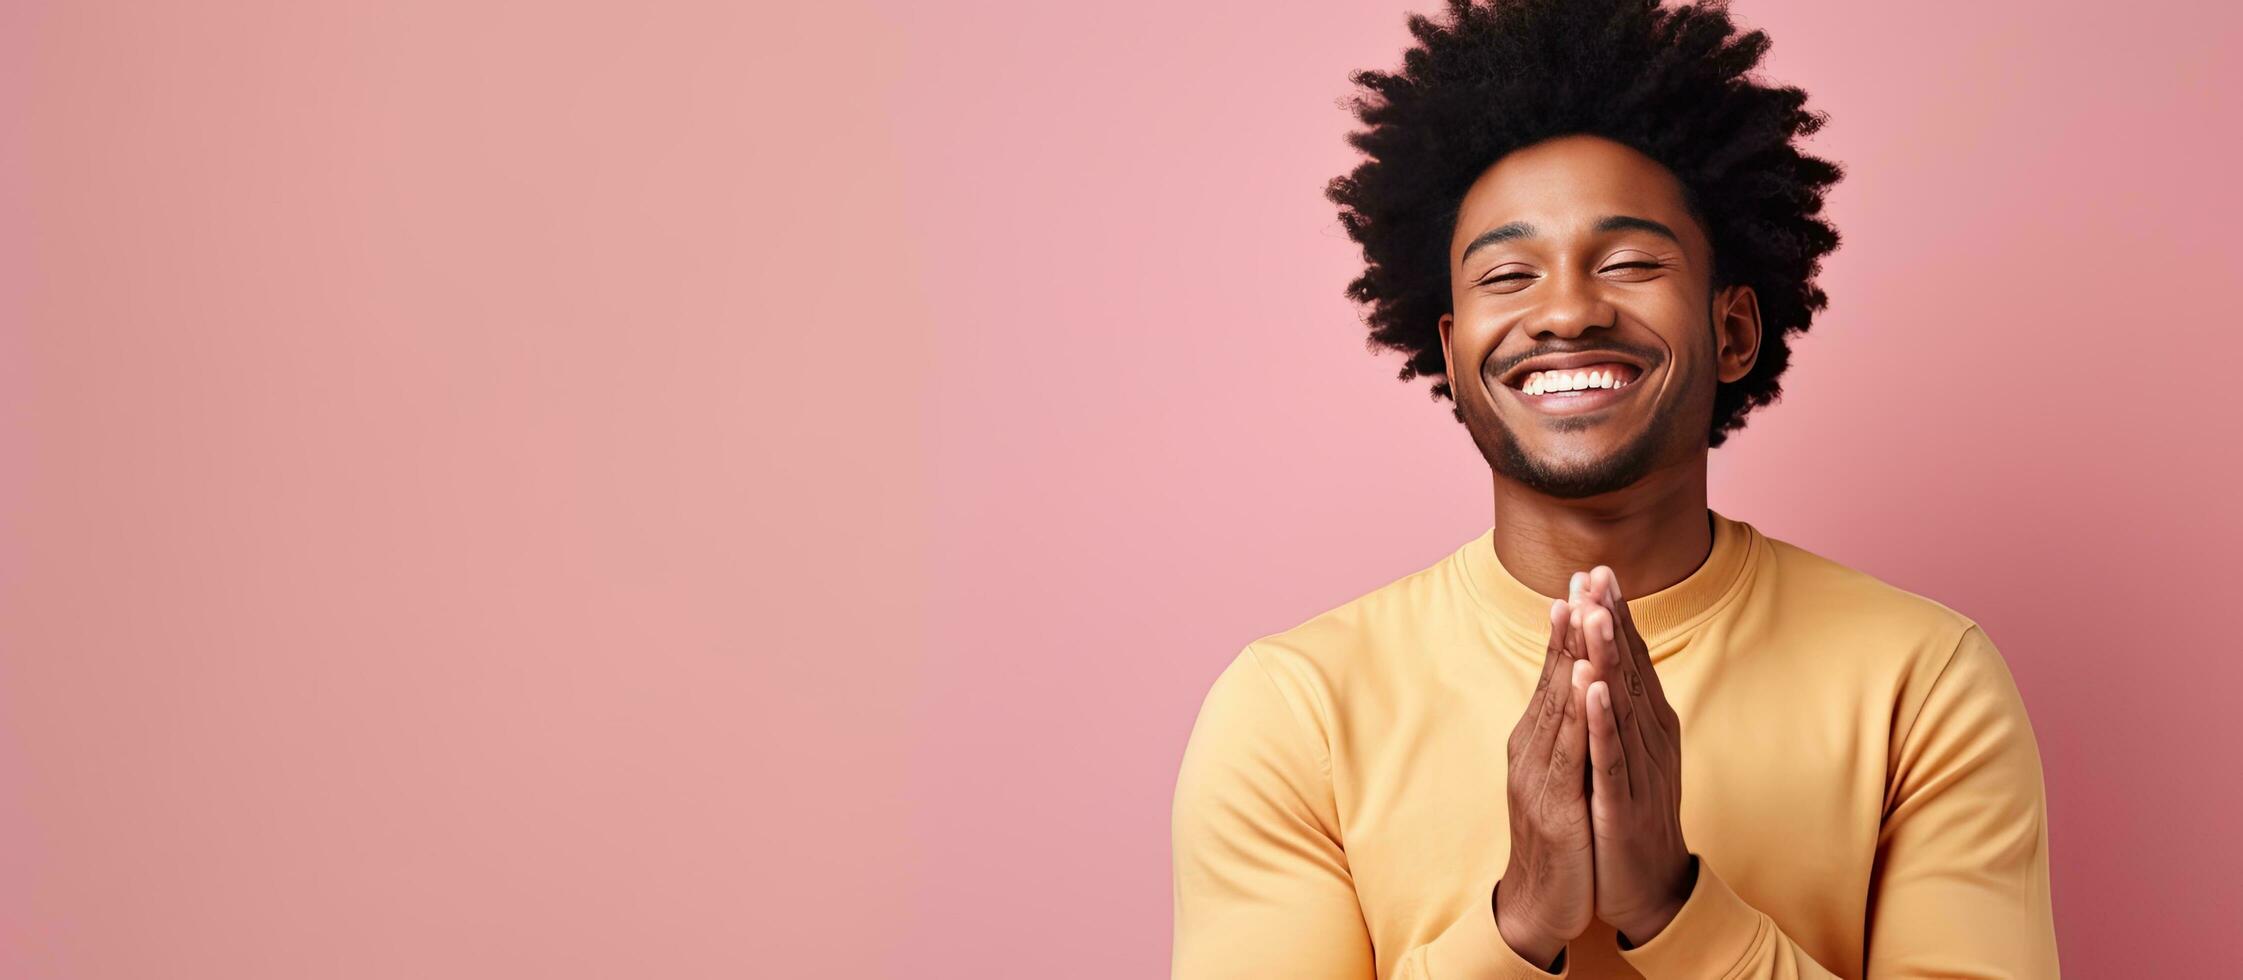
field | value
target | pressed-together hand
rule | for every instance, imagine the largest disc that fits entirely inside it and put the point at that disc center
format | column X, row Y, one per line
column 1548, row 892
column 1644, row 871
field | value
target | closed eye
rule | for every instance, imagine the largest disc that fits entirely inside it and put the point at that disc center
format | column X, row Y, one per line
column 1528, row 275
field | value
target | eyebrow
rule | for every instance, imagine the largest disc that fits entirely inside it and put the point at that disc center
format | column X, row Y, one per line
column 1610, row 222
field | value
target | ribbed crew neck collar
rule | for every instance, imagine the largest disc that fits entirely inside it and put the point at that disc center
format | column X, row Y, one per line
column 1659, row 616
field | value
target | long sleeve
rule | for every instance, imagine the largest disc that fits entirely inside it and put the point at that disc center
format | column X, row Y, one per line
column 1960, row 886
column 1262, row 887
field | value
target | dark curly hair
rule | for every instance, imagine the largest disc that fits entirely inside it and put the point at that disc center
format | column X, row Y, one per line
column 1669, row 82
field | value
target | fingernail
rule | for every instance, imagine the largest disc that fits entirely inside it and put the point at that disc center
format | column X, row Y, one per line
column 1606, row 629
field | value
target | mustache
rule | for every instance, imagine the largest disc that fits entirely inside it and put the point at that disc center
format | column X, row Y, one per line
column 1648, row 358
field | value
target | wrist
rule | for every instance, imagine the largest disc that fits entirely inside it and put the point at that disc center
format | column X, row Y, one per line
column 1645, row 928
column 1637, row 930
column 1534, row 944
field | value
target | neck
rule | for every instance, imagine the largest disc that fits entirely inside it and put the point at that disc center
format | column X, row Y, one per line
column 1652, row 533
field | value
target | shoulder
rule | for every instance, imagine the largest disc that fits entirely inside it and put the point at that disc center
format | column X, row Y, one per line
column 1275, row 700
column 1845, row 600
column 1936, row 667
column 1380, row 631
column 1930, row 671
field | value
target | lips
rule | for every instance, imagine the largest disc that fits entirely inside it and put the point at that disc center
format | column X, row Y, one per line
column 1574, row 402
column 1608, row 374
column 1619, row 363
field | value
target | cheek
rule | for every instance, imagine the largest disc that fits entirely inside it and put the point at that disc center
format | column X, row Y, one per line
column 1679, row 329
column 1469, row 347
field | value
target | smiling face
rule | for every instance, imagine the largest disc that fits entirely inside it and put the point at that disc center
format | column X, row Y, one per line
column 1579, row 255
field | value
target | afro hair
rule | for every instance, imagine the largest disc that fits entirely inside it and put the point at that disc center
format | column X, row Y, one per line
column 1669, row 82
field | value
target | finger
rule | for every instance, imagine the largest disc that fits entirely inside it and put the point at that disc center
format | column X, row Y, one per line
column 1633, row 651
column 1603, row 585
column 1626, row 712
column 1545, row 706
column 1604, row 581
column 1566, row 780
column 1625, row 658
column 1646, row 767
column 1608, row 758
column 1577, row 641
column 1632, row 639
column 1597, row 637
column 1616, row 656
column 1653, row 729
column 1578, row 633
column 1553, row 654
column 1650, row 729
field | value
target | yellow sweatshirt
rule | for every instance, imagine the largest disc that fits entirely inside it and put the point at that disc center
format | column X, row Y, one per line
column 1861, row 784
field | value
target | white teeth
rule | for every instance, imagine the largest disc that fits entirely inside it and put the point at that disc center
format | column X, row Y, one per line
column 1544, row 382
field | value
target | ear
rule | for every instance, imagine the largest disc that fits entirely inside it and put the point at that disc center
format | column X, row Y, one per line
column 1448, row 364
column 1736, row 332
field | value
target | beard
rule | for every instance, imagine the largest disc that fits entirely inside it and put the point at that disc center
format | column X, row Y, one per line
column 1617, row 470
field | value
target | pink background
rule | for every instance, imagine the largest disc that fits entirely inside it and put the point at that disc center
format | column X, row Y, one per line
column 696, row 490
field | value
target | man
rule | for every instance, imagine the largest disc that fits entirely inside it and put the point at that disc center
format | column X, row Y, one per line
column 1617, row 734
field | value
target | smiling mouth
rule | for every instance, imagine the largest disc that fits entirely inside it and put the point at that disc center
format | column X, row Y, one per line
column 1576, row 390
column 1609, row 375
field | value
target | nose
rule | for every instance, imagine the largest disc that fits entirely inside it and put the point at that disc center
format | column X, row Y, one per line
column 1571, row 305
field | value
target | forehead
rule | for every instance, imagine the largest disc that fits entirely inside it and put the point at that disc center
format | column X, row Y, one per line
column 1564, row 185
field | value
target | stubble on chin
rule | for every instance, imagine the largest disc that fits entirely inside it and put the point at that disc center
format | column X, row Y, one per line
column 1615, row 471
